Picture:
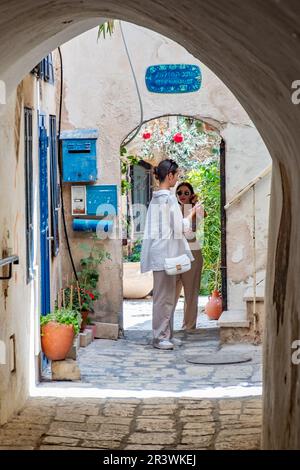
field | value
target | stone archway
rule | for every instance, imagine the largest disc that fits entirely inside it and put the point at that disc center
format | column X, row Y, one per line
column 259, row 64
column 166, row 122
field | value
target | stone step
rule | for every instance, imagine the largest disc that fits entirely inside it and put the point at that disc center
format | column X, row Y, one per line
column 85, row 338
column 65, row 370
column 72, row 354
column 234, row 319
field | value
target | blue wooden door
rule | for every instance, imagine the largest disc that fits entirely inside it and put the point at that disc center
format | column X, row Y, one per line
column 44, row 218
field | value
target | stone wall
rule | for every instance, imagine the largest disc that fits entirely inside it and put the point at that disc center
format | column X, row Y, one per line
column 259, row 64
column 19, row 301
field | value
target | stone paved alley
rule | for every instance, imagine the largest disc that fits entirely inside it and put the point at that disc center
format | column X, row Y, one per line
column 144, row 398
column 53, row 423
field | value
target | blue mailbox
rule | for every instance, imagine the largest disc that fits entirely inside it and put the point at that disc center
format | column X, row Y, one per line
column 102, row 200
column 79, row 155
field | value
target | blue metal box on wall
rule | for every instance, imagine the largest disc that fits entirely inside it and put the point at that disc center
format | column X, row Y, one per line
column 94, row 201
column 79, row 155
column 102, row 200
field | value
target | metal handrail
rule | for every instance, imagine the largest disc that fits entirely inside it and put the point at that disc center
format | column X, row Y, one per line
column 237, row 197
column 9, row 261
column 250, row 185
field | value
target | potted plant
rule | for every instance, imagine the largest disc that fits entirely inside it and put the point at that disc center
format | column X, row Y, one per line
column 82, row 300
column 58, row 330
column 85, row 290
column 136, row 285
column 214, row 306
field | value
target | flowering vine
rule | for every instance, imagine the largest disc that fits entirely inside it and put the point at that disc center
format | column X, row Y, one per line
column 188, row 143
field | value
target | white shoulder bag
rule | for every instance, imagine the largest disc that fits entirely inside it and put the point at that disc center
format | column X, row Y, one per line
column 178, row 265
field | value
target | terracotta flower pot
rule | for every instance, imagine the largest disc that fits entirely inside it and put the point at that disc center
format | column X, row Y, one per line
column 214, row 307
column 57, row 339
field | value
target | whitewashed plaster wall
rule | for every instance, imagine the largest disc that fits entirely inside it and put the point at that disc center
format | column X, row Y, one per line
column 19, row 301
column 100, row 92
column 15, row 295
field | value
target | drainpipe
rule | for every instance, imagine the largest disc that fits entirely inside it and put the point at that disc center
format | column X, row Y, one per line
column 223, row 224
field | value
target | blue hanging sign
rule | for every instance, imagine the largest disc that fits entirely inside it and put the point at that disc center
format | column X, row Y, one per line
column 173, row 78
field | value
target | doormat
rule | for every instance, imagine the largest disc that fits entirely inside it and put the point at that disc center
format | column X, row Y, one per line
column 219, row 358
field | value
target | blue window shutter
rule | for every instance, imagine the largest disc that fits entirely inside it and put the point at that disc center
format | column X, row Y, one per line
column 55, row 200
column 51, row 69
column 45, row 70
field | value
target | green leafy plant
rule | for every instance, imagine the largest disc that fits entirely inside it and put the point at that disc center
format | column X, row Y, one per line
column 82, row 299
column 135, row 254
column 206, row 182
column 81, row 295
column 125, row 187
column 64, row 315
column 88, row 276
column 127, row 161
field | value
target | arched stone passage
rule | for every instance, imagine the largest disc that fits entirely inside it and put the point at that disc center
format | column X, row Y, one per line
column 254, row 47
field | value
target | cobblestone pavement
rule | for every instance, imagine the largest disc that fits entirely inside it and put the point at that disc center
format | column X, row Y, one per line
column 133, row 364
column 137, row 314
column 147, row 398
column 149, row 424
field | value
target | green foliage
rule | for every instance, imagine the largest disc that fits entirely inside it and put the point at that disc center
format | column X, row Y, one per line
column 64, row 315
column 83, row 301
column 135, row 254
column 200, row 142
column 125, row 187
column 126, row 162
column 88, row 278
column 206, row 182
column 89, row 275
column 106, row 27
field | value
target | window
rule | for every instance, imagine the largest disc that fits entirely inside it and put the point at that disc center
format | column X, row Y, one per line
column 44, row 70
column 54, row 187
column 141, row 193
column 28, row 193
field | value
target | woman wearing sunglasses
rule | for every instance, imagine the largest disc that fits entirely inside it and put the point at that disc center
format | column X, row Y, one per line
column 190, row 281
column 164, row 237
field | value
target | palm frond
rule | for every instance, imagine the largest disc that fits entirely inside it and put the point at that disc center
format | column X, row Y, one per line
column 106, row 27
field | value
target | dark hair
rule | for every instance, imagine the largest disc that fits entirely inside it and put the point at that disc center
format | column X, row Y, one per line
column 188, row 185
column 164, row 168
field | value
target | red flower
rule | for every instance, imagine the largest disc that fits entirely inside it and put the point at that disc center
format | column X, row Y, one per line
column 147, row 135
column 178, row 138
column 90, row 294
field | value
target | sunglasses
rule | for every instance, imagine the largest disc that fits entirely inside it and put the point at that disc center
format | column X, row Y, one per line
column 186, row 193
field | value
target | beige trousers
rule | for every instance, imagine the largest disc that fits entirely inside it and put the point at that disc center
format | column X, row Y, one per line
column 190, row 281
column 164, row 296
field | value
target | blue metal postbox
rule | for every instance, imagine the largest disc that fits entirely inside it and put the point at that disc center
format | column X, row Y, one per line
column 102, row 200
column 79, row 155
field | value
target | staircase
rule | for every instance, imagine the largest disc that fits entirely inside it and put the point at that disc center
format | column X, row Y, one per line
column 244, row 325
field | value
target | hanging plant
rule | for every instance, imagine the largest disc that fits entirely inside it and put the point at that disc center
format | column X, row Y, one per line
column 188, row 143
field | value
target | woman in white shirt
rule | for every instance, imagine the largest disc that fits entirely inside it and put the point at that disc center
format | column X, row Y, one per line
column 164, row 238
